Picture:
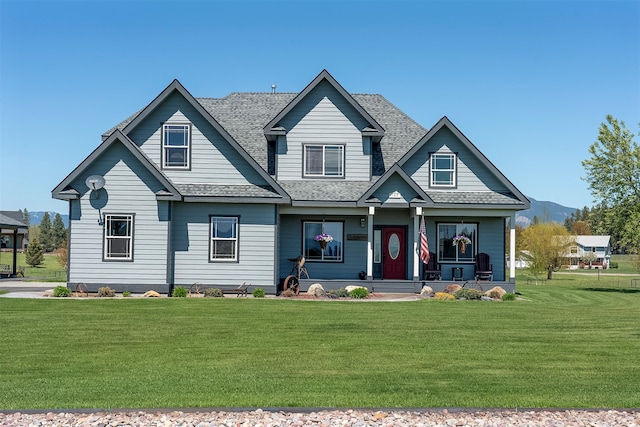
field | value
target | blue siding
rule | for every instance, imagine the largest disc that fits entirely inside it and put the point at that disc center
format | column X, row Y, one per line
column 355, row 251
column 129, row 189
column 256, row 245
column 491, row 240
column 213, row 160
column 393, row 184
column 324, row 117
column 472, row 174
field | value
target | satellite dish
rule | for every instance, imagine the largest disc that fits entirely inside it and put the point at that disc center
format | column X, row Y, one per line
column 95, row 182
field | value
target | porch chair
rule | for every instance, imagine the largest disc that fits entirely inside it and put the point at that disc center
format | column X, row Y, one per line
column 484, row 269
column 431, row 270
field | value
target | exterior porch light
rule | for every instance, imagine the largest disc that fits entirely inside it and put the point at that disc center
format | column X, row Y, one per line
column 363, row 222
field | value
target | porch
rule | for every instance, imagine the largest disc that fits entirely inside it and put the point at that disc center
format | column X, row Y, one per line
column 404, row 286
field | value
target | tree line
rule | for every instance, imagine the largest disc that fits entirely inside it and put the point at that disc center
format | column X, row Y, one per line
column 45, row 237
column 613, row 175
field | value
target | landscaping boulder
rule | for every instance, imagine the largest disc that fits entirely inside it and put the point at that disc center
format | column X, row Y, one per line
column 316, row 290
column 495, row 292
column 426, row 291
column 151, row 294
column 352, row 287
column 452, row 289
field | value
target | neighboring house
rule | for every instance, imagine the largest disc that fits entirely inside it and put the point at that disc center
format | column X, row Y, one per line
column 7, row 235
column 222, row 191
column 11, row 230
column 599, row 246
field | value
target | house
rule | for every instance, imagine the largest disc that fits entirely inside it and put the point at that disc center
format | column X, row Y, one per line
column 590, row 252
column 13, row 232
column 7, row 234
column 220, row 191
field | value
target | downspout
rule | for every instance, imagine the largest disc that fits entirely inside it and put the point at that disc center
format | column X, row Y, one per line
column 69, row 244
column 372, row 211
column 170, row 261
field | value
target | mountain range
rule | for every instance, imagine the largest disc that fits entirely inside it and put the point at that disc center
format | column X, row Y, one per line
column 543, row 210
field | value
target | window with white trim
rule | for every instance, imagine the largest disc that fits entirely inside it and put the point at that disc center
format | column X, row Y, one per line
column 176, row 146
column 324, row 160
column 461, row 252
column 443, row 170
column 118, row 237
column 313, row 248
column 223, row 245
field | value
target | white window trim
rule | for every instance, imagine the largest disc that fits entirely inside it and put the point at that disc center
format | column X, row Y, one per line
column 107, row 220
column 221, row 239
column 432, row 170
column 324, row 157
column 187, row 147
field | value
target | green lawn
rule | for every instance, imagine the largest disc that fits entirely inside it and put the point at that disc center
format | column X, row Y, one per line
column 571, row 343
column 50, row 270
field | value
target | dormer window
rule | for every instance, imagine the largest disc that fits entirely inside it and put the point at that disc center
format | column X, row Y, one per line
column 443, row 170
column 176, row 146
column 324, row 161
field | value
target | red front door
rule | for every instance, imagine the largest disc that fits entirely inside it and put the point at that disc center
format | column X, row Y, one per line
column 394, row 258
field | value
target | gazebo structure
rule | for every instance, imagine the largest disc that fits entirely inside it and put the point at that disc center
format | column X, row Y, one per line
column 8, row 223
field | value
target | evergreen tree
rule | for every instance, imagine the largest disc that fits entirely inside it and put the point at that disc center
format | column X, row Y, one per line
column 35, row 255
column 46, row 233
column 26, row 218
column 59, row 233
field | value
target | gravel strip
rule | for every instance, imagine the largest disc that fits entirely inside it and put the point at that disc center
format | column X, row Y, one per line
column 329, row 418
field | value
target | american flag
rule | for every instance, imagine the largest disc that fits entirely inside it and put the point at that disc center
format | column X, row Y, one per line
column 424, row 245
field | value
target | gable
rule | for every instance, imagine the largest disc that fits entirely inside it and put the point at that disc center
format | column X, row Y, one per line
column 73, row 186
column 126, row 178
column 324, row 106
column 213, row 159
column 324, row 81
column 472, row 174
column 477, row 181
column 395, row 188
column 244, row 173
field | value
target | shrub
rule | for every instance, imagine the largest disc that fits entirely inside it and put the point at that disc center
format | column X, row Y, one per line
column 340, row 293
column 126, row 294
column 467, row 293
column 359, row 293
column 106, row 292
column 613, row 264
column 508, row 297
column 443, row 296
column 61, row 291
column 288, row 293
column 258, row 293
column 213, row 292
column 179, row 292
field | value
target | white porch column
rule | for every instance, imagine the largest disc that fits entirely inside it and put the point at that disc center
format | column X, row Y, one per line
column 512, row 248
column 372, row 211
column 416, row 243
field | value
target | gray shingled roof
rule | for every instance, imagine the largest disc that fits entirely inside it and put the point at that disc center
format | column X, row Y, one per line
column 8, row 220
column 325, row 191
column 244, row 114
column 473, row 197
column 211, row 190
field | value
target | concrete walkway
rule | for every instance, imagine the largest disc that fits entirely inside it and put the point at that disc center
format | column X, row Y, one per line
column 22, row 289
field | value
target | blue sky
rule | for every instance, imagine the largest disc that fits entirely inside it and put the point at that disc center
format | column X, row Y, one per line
column 528, row 82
